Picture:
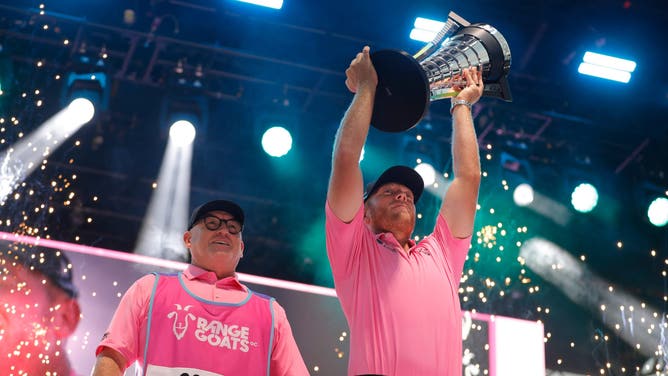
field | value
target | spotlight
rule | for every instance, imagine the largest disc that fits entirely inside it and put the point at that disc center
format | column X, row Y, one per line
column 425, row 30
column 90, row 86
column 584, row 197
column 657, row 212
column 654, row 366
column 523, row 194
column 427, row 172
column 276, row 141
column 607, row 67
column 81, row 110
column 177, row 107
column 162, row 228
column 21, row 158
column 182, row 132
column 581, row 285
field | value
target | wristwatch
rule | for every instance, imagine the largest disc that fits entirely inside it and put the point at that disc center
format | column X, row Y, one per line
column 457, row 102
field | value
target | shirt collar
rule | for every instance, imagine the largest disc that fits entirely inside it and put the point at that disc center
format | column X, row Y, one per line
column 193, row 272
column 388, row 239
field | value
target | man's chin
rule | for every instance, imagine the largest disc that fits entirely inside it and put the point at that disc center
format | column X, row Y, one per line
column 402, row 214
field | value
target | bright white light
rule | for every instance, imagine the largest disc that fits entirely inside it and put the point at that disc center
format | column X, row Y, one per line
column 427, row 172
column 604, row 72
column 182, row 132
column 425, row 29
column 9, row 175
column 81, row 110
column 276, row 141
column 362, row 155
column 523, row 194
column 428, row 25
column 584, row 198
column 609, row 62
column 161, row 233
column 657, row 213
column 561, row 269
column 275, row 4
column 19, row 160
column 422, row 35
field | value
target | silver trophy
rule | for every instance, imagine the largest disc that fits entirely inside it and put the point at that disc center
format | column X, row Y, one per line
column 407, row 84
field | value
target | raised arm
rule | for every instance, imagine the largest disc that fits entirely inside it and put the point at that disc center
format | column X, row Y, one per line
column 345, row 191
column 459, row 203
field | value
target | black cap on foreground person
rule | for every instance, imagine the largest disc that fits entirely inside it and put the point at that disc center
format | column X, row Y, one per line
column 398, row 174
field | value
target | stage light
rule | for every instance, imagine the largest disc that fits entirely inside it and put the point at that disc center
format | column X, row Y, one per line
column 20, row 159
column 654, row 366
column 603, row 72
column 427, row 172
column 609, row 62
column 657, row 212
column 165, row 219
column 523, row 194
column 183, row 102
column 274, row 4
column 182, row 132
column 607, row 67
column 425, row 30
column 276, row 141
column 90, row 86
column 161, row 233
column 584, row 198
column 632, row 320
column 81, row 110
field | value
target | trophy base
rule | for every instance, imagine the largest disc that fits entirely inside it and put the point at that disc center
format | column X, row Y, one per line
column 402, row 95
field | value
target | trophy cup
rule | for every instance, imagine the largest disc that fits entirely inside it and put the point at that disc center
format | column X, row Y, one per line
column 407, row 84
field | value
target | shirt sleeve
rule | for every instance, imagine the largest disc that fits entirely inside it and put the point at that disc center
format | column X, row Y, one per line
column 124, row 331
column 343, row 241
column 286, row 360
column 455, row 249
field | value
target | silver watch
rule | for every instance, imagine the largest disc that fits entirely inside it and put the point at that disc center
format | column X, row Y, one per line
column 457, row 102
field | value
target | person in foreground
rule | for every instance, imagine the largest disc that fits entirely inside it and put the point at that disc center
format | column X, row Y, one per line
column 201, row 321
column 39, row 310
column 400, row 298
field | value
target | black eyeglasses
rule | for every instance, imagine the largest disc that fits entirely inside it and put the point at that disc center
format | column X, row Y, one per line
column 213, row 223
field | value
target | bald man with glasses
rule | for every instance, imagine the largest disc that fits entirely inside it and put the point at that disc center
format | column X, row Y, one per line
column 202, row 320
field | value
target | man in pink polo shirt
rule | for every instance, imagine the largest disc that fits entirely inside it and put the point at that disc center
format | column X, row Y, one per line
column 400, row 298
column 202, row 321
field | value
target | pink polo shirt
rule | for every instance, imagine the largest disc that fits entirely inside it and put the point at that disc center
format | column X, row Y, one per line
column 127, row 327
column 402, row 307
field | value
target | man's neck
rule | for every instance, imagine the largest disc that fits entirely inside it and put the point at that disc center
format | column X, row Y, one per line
column 220, row 273
column 402, row 237
column 404, row 240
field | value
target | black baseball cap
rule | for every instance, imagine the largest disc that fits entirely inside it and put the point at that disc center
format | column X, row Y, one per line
column 222, row 205
column 398, row 174
column 52, row 263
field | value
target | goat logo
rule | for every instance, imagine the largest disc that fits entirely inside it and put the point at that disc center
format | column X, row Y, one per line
column 180, row 327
